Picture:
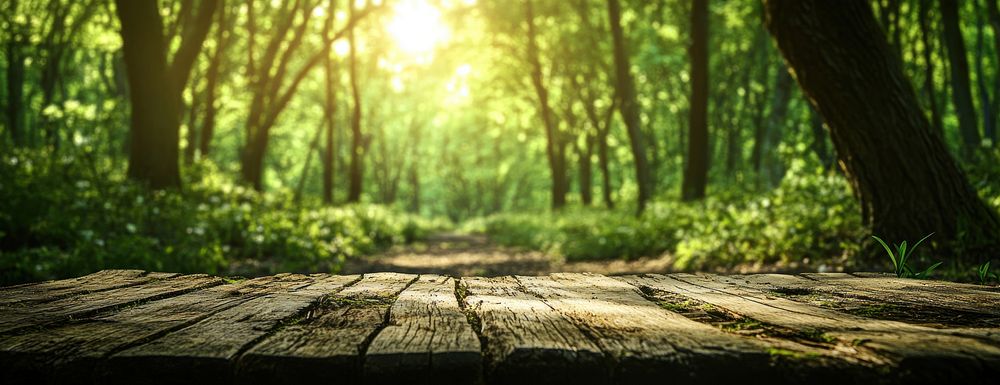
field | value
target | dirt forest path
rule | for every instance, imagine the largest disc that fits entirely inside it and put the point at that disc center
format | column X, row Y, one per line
column 468, row 255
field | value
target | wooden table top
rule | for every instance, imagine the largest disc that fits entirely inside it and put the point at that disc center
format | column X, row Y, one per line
column 130, row 326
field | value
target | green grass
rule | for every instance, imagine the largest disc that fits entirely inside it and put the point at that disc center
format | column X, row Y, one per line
column 900, row 259
column 984, row 274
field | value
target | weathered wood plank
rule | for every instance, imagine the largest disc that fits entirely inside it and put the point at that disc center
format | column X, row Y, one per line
column 52, row 290
column 913, row 352
column 428, row 339
column 976, row 306
column 949, row 293
column 648, row 343
column 69, row 353
column 205, row 351
column 325, row 347
column 20, row 317
column 528, row 341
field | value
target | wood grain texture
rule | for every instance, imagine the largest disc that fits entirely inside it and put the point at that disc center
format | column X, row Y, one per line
column 326, row 346
column 904, row 350
column 20, row 317
column 24, row 295
column 69, row 353
column 428, row 338
column 948, row 295
column 903, row 292
column 527, row 340
column 644, row 341
column 205, row 351
column 563, row 328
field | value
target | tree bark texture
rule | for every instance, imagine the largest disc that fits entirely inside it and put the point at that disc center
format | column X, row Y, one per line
column 907, row 182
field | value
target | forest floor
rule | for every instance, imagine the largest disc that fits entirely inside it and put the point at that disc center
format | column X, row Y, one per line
column 475, row 255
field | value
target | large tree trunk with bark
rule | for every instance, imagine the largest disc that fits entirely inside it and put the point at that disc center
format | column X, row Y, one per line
column 554, row 146
column 907, row 182
column 961, row 91
column 696, row 170
column 153, row 151
column 629, row 106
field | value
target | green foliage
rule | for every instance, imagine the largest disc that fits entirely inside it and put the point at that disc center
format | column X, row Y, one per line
column 577, row 234
column 984, row 274
column 807, row 217
column 901, row 257
column 68, row 215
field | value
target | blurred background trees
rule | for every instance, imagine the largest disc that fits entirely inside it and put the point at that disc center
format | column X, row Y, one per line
column 479, row 110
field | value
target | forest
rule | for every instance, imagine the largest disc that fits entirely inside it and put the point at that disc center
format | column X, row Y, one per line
column 253, row 137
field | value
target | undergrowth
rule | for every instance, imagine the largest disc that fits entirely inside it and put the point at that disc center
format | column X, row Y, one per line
column 807, row 217
column 64, row 215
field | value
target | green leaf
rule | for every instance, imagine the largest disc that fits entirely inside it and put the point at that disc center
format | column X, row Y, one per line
column 891, row 255
column 927, row 273
column 921, row 241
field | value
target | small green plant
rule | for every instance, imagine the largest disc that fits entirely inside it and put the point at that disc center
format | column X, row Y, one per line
column 901, row 256
column 984, row 273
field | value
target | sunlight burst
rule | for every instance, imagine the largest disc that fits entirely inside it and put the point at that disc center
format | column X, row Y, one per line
column 417, row 27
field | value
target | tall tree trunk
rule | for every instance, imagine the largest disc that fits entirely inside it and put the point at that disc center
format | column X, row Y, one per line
column 307, row 165
column 776, row 125
column 212, row 83
column 985, row 102
column 15, row 90
column 961, row 94
column 153, row 151
column 192, row 120
column 331, row 105
column 554, row 147
column 602, row 129
column 734, row 147
column 272, row 83
column 928, row 55
column 583, row 157
column 994, row 17
column 357, row 140
column 760, row 105
column 907, row 182
column 629, row 106
column 602, row 161
column 414, row 176
column 696, row 171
